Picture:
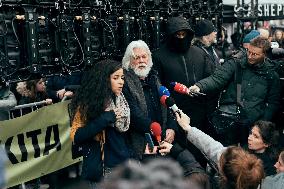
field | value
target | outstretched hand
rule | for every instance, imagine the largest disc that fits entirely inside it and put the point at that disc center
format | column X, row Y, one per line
column 183, row 120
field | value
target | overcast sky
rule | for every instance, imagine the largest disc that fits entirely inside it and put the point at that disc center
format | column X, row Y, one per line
column 230, row 2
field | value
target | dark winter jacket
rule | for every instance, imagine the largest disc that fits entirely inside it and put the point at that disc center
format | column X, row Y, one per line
column 268, row 160
column 260, row 86
column 144, row 103
column 186, row 160
column 115, row 149
column 210, row 51
column 186, row 67
column 59, row 82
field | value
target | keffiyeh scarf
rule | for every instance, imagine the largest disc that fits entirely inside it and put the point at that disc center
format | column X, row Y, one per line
column 121, row 124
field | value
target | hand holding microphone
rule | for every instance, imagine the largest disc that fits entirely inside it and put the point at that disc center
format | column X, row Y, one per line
column 170, row 102
column 182, row 89
column 195, row 90
column 156, row 131
column 183, row 120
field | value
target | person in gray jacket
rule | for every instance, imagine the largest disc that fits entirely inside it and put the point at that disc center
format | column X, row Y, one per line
column 275, row 181
column 238, row 168
column 7, row 101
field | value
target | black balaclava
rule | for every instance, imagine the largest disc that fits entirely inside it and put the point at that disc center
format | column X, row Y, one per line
column 174, row 25
column 179, row 45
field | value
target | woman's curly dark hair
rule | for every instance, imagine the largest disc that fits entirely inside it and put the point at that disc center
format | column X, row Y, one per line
column 95, row 90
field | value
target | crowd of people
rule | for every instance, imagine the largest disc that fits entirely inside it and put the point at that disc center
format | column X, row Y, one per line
column 116, row 103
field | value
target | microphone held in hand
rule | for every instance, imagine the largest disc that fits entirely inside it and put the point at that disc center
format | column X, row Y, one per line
column 156, row 131
column 170, row 102
column 164, row 91
column 182, row 89
column 163, row 100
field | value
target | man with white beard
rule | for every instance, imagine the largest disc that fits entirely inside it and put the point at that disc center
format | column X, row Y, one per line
column 141, row 91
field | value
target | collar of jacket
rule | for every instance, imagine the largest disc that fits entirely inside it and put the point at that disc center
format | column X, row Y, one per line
column 265, row 68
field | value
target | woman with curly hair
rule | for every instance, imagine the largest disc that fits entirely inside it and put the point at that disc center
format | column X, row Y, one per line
column 101, row 116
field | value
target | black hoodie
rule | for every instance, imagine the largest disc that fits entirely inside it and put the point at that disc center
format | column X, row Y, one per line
column 176, row 24
column 186, row 67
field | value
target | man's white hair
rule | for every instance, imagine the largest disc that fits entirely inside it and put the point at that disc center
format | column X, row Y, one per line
column 129, row 53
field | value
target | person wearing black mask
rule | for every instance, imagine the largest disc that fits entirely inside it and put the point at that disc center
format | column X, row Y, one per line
column 178, row 61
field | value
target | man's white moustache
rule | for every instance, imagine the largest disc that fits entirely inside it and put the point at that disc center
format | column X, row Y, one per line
column 142, row 64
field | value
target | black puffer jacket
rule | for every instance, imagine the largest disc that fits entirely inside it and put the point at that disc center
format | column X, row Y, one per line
column 260, row 87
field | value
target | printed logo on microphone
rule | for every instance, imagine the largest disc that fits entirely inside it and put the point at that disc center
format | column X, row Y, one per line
column 164, row 91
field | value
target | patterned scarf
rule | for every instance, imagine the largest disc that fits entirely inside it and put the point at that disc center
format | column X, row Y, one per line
column 121, row 124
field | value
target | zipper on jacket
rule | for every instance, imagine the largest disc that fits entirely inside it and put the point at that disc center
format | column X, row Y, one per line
column 185, row 68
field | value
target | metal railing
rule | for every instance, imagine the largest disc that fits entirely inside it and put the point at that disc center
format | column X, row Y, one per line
column 33, row 106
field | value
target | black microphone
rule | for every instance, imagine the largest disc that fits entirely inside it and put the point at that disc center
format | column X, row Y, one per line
column 170, row 102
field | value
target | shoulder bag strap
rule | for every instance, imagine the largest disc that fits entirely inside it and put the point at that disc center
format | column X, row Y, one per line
column 238, row 80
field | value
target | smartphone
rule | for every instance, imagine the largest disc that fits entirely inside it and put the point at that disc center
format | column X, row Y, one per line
column 149, row 141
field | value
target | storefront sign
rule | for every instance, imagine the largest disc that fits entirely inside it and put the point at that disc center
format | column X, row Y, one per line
column 263, row 10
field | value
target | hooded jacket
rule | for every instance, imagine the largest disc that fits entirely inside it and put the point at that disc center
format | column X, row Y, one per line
column 186, row 67
column 177, row 24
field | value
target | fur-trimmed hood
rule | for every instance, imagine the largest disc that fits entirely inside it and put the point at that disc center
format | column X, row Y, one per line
column 22, row 89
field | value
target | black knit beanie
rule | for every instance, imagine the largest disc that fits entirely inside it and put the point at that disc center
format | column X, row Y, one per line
column 203, row 28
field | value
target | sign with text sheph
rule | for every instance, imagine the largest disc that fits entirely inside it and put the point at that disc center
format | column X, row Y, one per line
column 37, row 143
column 262, row 10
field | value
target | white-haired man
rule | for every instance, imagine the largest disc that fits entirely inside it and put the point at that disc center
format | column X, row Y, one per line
column 141, row 90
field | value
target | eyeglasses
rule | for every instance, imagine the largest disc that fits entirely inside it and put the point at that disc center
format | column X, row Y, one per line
column 253, row 53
